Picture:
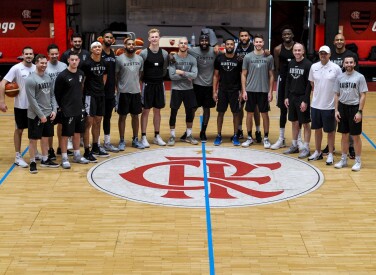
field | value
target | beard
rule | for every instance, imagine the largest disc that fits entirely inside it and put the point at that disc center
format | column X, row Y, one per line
column 204, row 47
column 245, row 43
column 108, row 44
column 130, row 51
column 230, row 51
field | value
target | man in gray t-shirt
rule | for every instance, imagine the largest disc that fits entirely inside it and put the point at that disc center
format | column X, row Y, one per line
column 257, row 87
column 41, row 112
column 350, row 95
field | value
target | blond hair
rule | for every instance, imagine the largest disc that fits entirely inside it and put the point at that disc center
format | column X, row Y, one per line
column 153, row 31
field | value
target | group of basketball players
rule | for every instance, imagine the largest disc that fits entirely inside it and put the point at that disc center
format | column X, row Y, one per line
column 83, row 88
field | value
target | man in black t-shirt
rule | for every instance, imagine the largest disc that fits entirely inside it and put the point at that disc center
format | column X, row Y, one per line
column 76, row 42
column 227, row 72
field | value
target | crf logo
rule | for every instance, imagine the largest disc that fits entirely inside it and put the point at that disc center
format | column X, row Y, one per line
column 220, row 179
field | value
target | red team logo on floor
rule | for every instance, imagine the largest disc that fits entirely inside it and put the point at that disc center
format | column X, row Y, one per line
column 235, row 177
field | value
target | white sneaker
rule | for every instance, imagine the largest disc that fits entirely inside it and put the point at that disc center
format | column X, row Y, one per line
column 145, row 142
column 190, row 139
column 70, row 144
column 279, row 144
column 329, row 159
column 65, row 164
column 19, row 161
column 171, row 141
column 301, row 145
column 159, row 141
column 248, row 142
column 266, row 143
column 111, row 148
column 342, row 163
column 356, row 167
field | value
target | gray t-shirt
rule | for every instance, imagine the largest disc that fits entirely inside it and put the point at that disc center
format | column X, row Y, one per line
column 349, row 87
column 53, row 71
column 258, row 67
column 40, row 95
column 128, row 73
column 189, row 66
column 205, row 65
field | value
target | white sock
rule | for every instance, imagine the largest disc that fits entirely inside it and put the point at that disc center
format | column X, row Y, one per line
column 99, row 140
column 306, row 145
column 64, row 155
column 107, row 139
column 189, row 132
column 294, row 142
column 172, row 132
column 300, row 134
column 282, row 133
column 76, row 153
column 44, row 158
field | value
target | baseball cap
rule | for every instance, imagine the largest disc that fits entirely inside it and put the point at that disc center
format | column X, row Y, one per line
column 204, row 36
column 324, row 49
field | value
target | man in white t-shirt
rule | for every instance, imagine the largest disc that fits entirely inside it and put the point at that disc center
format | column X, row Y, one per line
column 18, row 73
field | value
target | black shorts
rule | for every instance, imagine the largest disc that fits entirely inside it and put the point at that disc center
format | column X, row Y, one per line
column 153, row 95
column 257, row 99
column 94, row 105
column 228, row 97
column 204, row 96
column 281, row 83
column 109, row 105
column 323, row 119
column 186, row 96
column 37, row 129
column 346, row 123
column 294, row 110
column 20, row 117
column 129, row 104
column 58, row 117
column 72, row 125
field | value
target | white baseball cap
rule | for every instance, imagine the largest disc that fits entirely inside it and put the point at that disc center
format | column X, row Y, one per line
column 324, row 49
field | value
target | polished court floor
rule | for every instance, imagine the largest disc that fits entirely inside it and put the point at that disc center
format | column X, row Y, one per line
column 55, row 222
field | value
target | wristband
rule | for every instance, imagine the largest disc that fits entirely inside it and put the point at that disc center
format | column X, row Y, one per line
column 360, row 112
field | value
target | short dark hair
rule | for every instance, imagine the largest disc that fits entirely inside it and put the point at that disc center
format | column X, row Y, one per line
column 286, row 27
column 245, row 31
column 52, row 46
column 106, row 31
column 259, row 35
column 76, row 35
column 27, row 48
column 39, row 56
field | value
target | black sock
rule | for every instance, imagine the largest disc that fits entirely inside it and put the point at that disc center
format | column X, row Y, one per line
column 204, row 126
column 143, row 134
column 156, row 133
column 249, row 133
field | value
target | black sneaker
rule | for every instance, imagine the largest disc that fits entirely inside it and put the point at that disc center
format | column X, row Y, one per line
column 90, row 158
column 49, row 163
column 258, row 137
column 240, row 134
column 51, row 154
column 325, row 151
column 69, row 152
column 183, row 137
column 100, row 152
column 33, row 168
column 203, row 136
column 351, row 152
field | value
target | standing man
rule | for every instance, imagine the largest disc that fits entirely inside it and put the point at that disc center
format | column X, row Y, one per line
column 282, row 56
column 19, row 73
column 68, row 93
column 257, row 87
column 227, row 73
column 297, row 99
column 95, row 78
column 245, row 47
column 322, row 76
column 350, row 96
column 129, row 68
column 41, row 112
column 54, row 67
column 153, row 93
column 76, row 43
column 182, row 73
column 108, row 56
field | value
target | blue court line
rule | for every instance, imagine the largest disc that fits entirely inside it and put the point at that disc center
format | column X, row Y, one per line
column 207, row 207
column 12, row 167
column 369, row 140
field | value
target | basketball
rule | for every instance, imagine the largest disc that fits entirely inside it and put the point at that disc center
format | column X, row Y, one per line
column 119, row 51
column 139, row 42
column 138, row 51
column 12, row 89
column 100, row 39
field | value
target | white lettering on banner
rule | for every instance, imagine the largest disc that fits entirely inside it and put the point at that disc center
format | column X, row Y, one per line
column 7, row 26
column 374, row 27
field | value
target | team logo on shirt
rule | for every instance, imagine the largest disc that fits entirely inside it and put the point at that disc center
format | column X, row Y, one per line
column 31, row 19
column 235, row 177
column 360, row 20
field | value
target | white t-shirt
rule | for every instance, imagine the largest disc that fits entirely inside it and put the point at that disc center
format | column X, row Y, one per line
column 324, row 78
column 19, row 73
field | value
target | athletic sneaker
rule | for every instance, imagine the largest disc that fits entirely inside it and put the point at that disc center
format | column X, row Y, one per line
column 51, row 154
column 70, row 144
column 326, row 150
column 183, row 137
column 145, row 142
column 159, row 141
column 329, row 159
column 304, row 153
column 203, row 136
column 315, row 156
column 171, row 141
column 109, row 147
column 300, row 144
column 351, row 152
column 235, row 140
column 279, row 144
column 100, row 152
column 69, row 152
column 80, row 159
column 292, row 150
column 258, row 137
column 218, row 140
column 136, row 144
column 19, row 161
column 190, row 139
column 342, row 163
column 65, row 164
column 266, row 143
column 356, row 167
column 239, row 133
column 49, row 163
column 90, row 158
column 248, row 142
column 33, row 168
column 121, row 145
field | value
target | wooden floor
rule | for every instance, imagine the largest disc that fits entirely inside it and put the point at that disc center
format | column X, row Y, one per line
column 56, row 223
